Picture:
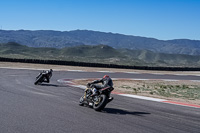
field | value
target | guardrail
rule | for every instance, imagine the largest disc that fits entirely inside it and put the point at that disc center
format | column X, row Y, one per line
column 72, row 63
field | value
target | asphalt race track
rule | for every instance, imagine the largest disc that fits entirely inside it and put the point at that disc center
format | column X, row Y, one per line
column 53, row 107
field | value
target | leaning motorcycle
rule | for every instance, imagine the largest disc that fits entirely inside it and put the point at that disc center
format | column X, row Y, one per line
column 42, row 77
column 97, row 102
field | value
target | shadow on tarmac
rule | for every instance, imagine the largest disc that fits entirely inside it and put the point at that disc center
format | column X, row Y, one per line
column 54, row 85
column 123, row 112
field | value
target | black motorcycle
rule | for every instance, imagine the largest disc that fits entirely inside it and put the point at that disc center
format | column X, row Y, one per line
column 97, row 102
column 43, row 76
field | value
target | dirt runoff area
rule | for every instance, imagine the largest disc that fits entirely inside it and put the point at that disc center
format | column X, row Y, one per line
column 181, row 91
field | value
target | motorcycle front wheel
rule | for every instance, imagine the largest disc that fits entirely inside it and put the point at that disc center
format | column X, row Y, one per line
column 38, row 80
column 100, row 103
column 81, row 101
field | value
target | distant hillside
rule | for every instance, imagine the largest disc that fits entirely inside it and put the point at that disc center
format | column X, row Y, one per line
column 162, row 59
column 99, row 54
column 58, row 39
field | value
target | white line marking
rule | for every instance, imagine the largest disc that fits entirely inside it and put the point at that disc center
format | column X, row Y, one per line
column 132, row 72
column 105, row 71
column 143, row 97
column 76, row 71
column 170, row 80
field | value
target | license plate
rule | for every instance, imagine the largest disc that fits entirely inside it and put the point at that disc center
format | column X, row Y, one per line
column 90, row 104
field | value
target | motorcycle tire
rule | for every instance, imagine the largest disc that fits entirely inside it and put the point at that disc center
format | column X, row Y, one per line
column 81, row 101
column 38, row 80
column 101, row 104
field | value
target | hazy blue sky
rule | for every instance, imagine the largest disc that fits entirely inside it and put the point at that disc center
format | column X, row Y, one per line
column 161, row 19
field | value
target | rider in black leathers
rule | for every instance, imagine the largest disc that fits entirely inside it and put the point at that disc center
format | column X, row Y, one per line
column 47, row 75
column 106, row 82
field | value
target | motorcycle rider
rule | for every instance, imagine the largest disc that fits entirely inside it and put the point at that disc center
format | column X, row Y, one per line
column 106, row 82
column 47, row 75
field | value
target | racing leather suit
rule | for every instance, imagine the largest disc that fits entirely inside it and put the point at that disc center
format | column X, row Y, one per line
column 47, row 75
column 106, row 82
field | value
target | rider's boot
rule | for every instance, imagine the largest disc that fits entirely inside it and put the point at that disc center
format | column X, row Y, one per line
column 110, row 99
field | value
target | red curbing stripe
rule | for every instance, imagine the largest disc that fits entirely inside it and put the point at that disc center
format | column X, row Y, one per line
column 117, row 93
column 183, row 104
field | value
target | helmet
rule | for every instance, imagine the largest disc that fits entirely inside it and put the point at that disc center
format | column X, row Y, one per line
column 51, row 70
column 105, row 76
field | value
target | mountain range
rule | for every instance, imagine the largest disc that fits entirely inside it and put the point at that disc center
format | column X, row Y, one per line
column 99, row 54
column 62, row 39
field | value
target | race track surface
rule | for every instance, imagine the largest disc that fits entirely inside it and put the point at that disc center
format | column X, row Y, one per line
column 53, row 107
